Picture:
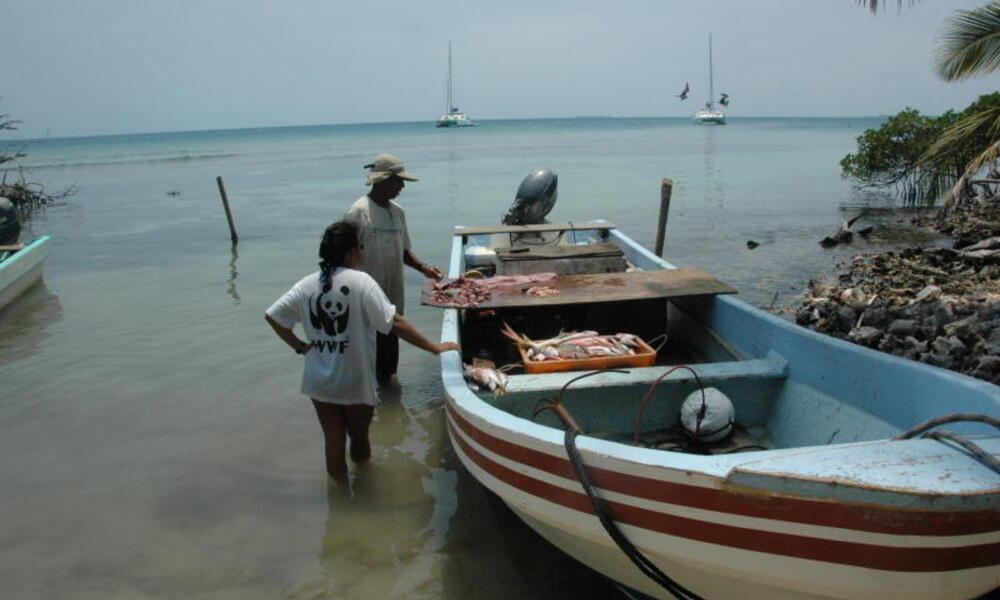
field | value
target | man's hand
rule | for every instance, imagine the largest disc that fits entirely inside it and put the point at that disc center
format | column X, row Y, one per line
column 431, row 272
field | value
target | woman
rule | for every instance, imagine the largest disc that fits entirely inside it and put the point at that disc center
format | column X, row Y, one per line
column 340, row 310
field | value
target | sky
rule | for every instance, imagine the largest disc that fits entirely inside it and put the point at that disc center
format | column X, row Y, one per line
column 94, row 67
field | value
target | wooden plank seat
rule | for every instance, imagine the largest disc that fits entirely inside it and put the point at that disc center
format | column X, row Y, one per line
column 773, row 366
column 546, row 227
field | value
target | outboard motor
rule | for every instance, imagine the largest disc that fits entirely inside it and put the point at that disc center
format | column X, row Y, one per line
column 10, row 223
column 535, row 198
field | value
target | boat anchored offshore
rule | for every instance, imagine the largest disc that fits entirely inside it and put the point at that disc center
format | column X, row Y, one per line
column 452, row 117
column 751, row 458
column 20, row 264
column 711, row 115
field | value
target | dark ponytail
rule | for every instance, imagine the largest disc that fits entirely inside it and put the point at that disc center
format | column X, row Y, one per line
column 338, row 239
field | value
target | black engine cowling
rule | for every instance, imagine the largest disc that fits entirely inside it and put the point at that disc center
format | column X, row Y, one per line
column 535, row 198
column 10, row 223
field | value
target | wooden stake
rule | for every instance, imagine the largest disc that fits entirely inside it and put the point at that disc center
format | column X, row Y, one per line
column 666, row 188
column 229, row 214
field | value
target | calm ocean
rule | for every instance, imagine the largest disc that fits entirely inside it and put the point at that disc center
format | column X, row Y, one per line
column 152, row 440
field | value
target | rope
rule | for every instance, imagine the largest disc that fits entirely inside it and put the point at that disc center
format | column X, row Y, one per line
column 649, row 395
column 638, row 558
column 952, row 418
column 974, row 450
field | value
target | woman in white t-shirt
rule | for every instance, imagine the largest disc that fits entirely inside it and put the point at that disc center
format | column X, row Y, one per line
column 340, row 309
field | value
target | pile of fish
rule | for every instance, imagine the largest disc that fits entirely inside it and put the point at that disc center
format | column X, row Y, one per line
column 541, row 291
column 468, row 292
column 461, row 292
column 574, row 345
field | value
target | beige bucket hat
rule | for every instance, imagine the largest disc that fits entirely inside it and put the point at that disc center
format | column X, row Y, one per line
column 386, row 165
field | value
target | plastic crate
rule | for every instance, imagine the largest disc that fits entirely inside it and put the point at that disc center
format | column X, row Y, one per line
column 645, row 356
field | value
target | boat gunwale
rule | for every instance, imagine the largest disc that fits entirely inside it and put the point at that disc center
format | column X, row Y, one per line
column 24, row 253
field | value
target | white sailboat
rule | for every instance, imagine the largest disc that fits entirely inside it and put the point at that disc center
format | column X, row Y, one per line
column 710, row 115
column 452, row 117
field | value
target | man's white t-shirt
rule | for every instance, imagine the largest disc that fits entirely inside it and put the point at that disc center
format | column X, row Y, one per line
column 383, row 232
column 341, row 322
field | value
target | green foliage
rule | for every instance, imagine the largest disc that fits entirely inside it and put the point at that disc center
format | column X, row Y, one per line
column 895, row 156
column 970, row 44
column 888, row 157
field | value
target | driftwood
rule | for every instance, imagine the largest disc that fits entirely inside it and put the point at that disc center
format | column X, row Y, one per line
column 26, row 196
column 845, row 235
column 29, row 197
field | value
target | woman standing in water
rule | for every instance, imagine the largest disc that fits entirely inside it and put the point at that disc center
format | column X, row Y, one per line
column 340, row 310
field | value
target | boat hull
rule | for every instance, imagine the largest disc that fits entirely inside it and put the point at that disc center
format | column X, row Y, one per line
column 722, row 542
column 869, row 518
column 710, row 118
column 443, row 122
column 22, row 270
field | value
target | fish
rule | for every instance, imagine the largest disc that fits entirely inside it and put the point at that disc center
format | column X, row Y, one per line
column 486, row 378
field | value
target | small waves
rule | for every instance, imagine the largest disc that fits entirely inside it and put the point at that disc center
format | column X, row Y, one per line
column 103, row 162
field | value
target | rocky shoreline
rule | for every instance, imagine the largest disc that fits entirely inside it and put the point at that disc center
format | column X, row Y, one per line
column 939, row 306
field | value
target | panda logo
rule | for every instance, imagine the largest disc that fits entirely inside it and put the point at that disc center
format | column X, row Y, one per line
column 330, row 312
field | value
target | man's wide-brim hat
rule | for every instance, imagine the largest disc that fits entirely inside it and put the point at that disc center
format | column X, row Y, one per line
column 385, row 166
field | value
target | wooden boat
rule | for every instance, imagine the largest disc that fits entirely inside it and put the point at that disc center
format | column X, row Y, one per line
column 21, row 268
column 810, row 497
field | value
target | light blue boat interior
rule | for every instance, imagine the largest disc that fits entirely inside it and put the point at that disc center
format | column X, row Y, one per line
column 791, row 387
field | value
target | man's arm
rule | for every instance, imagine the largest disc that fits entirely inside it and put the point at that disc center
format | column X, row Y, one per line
column 410, row 259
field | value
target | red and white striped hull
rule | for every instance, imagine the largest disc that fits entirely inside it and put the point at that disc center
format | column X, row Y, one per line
column 716, row 539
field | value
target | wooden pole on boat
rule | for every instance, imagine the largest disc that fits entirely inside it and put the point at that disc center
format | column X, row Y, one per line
column 666, row 188
column 229, row 213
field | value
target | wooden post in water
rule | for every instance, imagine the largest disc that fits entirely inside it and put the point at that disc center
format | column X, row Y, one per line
column 229, row 213
column 666, row 188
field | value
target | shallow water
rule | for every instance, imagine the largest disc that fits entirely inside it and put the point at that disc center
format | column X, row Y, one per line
column 152, row 440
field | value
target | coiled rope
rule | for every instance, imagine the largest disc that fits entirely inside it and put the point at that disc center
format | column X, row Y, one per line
column 974, row 450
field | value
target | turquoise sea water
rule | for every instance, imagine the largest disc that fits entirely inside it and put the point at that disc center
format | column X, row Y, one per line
column 152, row 440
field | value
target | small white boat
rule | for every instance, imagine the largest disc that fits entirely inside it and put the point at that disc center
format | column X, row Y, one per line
column 21, row 268
column 710, row 115
column 812, row 496
column 452, row 117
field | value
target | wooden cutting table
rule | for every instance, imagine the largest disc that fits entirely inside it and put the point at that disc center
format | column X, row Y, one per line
column 604, row 287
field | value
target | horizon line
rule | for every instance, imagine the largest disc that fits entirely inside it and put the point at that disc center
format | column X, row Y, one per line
column 422, row 121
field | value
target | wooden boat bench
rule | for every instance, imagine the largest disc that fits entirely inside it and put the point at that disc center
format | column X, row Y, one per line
column 773, row 366
column 602, row 228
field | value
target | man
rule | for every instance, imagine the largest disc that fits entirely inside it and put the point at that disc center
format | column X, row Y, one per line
column 385, row 245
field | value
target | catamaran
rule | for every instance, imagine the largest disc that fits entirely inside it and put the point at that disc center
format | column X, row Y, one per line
column 452, row 116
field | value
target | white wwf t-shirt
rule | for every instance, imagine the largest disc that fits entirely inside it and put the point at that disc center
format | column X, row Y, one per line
column 341, row 322
column 383, row 232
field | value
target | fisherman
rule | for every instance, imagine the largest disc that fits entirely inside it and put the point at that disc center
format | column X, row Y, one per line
column 381, row 223
column 340, row 310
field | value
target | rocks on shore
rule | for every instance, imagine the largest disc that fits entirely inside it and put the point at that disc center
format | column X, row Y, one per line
column 939, row 306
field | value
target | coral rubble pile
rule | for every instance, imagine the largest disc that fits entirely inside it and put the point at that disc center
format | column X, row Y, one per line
column 936, row 305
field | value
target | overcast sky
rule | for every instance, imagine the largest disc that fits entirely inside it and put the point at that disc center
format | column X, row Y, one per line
column 83, row 67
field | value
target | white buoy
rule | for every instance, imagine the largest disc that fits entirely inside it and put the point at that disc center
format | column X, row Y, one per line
column 714, row 422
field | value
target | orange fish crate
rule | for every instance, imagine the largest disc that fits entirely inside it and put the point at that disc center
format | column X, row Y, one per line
column 645, row 356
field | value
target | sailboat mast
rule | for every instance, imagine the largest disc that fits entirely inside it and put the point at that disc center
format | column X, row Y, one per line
column 711, row 78
column 448, row 108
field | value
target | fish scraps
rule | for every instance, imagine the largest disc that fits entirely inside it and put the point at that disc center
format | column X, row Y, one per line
column 468, row 292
